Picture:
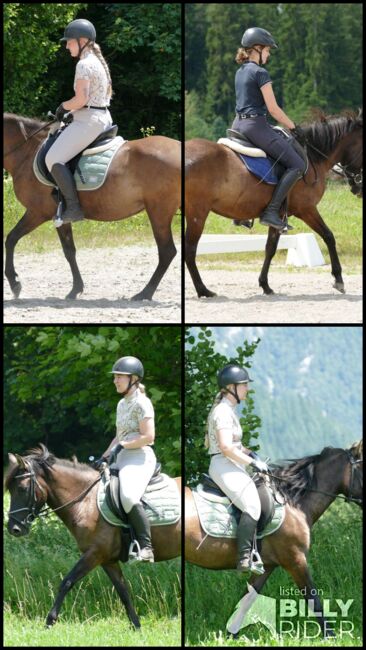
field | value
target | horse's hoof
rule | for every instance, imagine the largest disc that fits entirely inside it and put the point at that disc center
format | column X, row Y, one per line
column 16, row 289
column 339, row 286
column 206, row 293
column 50, row 621
column 268, row 291
column 141, row 296
column 73, row 294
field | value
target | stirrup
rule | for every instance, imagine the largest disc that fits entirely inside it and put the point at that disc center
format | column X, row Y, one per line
column 134, row 555
column 57, row 220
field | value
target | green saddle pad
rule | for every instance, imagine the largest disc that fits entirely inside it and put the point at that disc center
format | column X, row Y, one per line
column 92, row 169
column 162, row 502
column 217, row 519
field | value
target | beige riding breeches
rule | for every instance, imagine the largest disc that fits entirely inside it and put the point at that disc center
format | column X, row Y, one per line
column 136, row 467
column 236, row 484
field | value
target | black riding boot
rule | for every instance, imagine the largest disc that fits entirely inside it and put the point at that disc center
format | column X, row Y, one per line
column 270, row 216
column 140, row 523
column 246, row 529
column 66, row 183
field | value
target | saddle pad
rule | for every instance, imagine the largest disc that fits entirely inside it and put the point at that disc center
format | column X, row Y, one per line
column 162, row 505
column 241, row 148
column 92, row 169
column 217, row 520
column 261, row 167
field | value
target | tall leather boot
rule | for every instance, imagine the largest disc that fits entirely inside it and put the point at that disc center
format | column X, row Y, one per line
column 140, row 523
column 66, row 183
column 270, row 216
column 246, row 529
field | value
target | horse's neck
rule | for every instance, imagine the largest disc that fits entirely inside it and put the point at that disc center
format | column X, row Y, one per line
column 67, row 484
column 315, row 504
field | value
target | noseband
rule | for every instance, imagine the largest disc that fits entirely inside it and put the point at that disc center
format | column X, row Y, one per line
column 353, row 462
column 33, row 508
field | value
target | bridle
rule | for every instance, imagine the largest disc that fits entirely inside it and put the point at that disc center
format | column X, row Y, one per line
column 34, row 507
column 26, row 136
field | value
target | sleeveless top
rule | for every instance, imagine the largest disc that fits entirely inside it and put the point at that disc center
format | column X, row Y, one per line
column 89, row 67
column 248, row 81
column 223, row 416
column 130, row 411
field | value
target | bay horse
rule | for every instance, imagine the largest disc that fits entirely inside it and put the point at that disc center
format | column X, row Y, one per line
column 69, row 488
column 144, row 174
column 217, row 180
column 309, row 485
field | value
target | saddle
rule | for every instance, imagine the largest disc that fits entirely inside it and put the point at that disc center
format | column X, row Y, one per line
column 220, row 519
column 89, row 167
column 161, row 501
column 256, row 160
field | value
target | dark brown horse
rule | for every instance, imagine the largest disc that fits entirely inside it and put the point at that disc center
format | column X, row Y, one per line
column 309, row 486
column 144, row 175
column 216, row 179
column 40, row 478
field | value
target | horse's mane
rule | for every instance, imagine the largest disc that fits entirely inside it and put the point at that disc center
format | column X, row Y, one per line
column 43, row 461
column 300, row 474
column 327, row 129
column 30, row 123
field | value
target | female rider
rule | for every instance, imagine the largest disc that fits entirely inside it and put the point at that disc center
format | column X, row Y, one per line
column 93, row 90
column 131, row 448
column 229, row 460
column 254, row 98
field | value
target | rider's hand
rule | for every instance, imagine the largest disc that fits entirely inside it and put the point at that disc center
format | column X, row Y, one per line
column 99, row 462
column 299, row 134
column 260, row 465
column 60, row 112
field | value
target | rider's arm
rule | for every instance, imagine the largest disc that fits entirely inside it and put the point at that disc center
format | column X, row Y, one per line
column 81, row 96
column 114, row 442
column 273, row 108
column 224, row 439
column 146, row 437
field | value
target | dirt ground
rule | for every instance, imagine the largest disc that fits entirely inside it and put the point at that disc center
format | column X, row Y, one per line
column 303, row 297
column 111, row 276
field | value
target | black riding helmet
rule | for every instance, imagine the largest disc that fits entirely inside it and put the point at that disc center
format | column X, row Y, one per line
column 128, row 366
column 232, row 374
column 80, row 28
column 257, row 36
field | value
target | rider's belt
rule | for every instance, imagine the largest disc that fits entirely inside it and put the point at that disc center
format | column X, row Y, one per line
column 218, row 454
column 99, row 108
column 243, row 116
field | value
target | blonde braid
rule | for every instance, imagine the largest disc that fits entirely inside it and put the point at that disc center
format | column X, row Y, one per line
column 217, row 401
column 95, row 48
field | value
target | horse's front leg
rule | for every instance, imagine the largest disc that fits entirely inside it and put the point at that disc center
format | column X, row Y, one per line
column 271, row 247
column 114, row 572
column 26, row 224
column 87, row 562
column 68, row 246
column 297, row 566
column 313, row 219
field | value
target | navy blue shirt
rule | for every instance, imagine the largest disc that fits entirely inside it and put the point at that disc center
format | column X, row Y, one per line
column 248, row 81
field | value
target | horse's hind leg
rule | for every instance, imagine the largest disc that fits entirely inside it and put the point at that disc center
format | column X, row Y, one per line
column 271, row 247
column 193, row 233
column 26, row 224
column 114, row 572
column 164, row 239
column 68, row 246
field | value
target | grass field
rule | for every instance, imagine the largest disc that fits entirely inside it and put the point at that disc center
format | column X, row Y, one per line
column 91, row 614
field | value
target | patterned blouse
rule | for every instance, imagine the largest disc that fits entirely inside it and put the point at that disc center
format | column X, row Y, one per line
column 223, row 416
column 89, row 67
column 130, row 411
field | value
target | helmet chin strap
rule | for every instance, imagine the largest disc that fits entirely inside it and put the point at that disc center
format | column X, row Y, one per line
column 81, row 48
column 235, row 393
column 260, row 55
column 130, row 384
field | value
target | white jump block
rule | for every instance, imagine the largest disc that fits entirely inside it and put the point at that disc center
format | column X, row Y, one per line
column 303, row 249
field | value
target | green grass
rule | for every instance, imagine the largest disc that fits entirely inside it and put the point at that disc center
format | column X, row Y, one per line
column 134, row 230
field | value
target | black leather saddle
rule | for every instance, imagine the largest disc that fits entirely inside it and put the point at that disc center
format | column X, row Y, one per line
column 265, row 495
column 105, row 137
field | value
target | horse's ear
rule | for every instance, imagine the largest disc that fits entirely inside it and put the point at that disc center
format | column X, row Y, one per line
column 12, row 459
column 20, row 461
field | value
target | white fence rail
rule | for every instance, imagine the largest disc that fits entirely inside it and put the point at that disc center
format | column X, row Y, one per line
column 303, row 249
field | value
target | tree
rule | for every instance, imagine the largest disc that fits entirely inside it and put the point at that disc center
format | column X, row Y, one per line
column 201, row 366
column 58, row 390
